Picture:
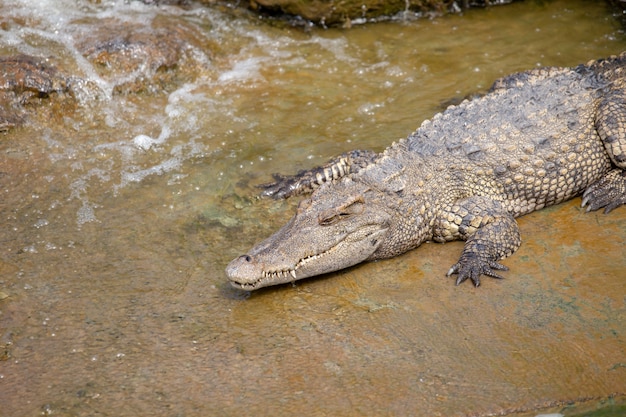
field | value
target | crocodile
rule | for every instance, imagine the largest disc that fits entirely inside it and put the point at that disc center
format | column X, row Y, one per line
column 535, row 139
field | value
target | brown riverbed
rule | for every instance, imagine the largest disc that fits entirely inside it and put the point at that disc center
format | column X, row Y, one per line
column 125, row 194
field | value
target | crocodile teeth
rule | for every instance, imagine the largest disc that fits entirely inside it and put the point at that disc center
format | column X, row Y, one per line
column 307, row 259
column 278, row 274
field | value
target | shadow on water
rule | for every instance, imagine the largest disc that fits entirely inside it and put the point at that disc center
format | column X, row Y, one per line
column 130, row 184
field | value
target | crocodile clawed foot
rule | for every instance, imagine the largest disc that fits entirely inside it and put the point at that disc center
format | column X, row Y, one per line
column 473, row 268
column 282, row 187
column 608, row 192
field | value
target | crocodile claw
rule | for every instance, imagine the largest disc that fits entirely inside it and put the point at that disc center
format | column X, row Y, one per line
column 473, row 268
column 282, row 187
column 609, row 192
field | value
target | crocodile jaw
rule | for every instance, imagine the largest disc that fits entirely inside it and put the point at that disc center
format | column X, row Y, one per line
column 252, row 271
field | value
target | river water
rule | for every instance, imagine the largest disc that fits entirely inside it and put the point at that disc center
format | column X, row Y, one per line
column 120, row 212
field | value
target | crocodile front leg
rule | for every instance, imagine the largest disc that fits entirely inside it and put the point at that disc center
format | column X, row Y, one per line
column 610, row 190
column 490, row 233
column 304, row 182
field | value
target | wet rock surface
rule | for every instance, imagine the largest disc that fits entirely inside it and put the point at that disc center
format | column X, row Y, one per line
column 152, row 58
column 344, row 12
column 26, row 75
column 25, row 82
column 132, row 58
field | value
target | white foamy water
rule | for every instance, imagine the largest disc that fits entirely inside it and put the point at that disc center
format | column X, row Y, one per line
column 116, row 140
column 134, row 138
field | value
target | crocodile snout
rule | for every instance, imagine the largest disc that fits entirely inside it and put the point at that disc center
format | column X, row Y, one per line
column 242, row 269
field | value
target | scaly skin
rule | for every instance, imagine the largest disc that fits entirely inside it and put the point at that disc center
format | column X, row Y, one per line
column 536, row 139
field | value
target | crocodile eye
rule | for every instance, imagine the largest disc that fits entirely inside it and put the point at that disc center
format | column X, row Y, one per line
column 334, row 215
column 327, row 221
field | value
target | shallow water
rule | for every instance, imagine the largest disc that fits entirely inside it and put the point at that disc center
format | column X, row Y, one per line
column 120, row 217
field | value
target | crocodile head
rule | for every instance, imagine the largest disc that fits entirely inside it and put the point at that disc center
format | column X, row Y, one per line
column 340, row 225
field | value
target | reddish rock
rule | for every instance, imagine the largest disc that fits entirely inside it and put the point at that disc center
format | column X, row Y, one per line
column 344, row 12
column 26, row 81
column 150, row 56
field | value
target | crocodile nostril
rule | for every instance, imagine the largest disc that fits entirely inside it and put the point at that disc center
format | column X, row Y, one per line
column 247, row 258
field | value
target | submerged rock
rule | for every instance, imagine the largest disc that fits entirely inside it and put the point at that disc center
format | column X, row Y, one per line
column 28, row 75
column 25, row 81
column 139, row 58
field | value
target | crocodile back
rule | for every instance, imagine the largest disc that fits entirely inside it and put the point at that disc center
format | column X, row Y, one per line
column 529, row 143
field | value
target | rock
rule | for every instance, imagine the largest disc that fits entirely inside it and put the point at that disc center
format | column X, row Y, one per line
column 145, row 58
column 344, row 12
column 619, row 7
column 28, row 75
column 26, row 80
column 130, row 57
